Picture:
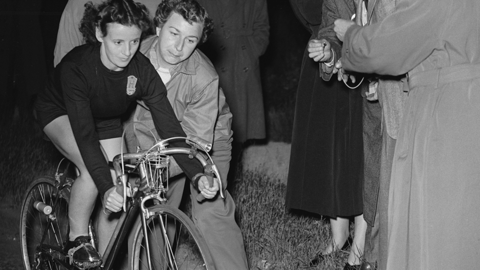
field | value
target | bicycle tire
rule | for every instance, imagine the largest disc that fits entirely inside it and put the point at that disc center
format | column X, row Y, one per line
column 188, row 246
column 34, row 224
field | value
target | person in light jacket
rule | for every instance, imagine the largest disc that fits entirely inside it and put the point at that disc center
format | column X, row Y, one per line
column 201, row 109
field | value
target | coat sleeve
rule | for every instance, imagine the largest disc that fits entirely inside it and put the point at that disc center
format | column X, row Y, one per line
column 398, row 43
column 330, row 12
column 222, row 145
column 201, row 113
column 261, row 27
column 166, row 123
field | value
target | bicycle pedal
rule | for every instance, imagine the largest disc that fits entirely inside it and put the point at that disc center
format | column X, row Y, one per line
column 92, row 263
column 86, row 265
column 83, row 265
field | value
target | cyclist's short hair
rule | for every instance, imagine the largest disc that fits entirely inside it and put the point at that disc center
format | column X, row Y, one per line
column 190, row 10
column 124, row 12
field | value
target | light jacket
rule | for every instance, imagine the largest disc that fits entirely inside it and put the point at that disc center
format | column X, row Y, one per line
column 198, row 103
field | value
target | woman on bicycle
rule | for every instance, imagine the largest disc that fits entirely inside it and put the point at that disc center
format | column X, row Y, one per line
column 81, row 108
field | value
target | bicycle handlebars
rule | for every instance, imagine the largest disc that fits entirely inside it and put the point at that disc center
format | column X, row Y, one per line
column 160, row 150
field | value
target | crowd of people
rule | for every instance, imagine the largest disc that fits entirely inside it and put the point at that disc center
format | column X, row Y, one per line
column 385, row 129
column 416, row 63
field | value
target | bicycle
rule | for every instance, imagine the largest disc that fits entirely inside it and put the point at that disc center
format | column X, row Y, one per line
column 159, row 236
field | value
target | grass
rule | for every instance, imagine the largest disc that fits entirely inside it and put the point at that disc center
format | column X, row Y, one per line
column 25, row 156
column 273, row 236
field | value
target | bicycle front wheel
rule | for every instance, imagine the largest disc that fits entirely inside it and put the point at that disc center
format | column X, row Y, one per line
column 173, row 242
column 43, row 225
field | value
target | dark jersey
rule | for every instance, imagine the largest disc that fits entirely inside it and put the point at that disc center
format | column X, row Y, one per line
column 95, row 98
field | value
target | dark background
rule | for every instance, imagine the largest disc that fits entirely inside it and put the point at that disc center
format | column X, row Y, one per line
column 28, row 31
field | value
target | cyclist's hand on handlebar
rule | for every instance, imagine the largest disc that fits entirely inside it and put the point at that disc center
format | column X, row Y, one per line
column 208, row 188
column 113, row 199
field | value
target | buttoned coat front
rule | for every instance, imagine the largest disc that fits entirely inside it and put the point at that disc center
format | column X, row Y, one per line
column 240, row 37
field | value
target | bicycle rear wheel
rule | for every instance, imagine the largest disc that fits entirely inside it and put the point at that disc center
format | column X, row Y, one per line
column 184, row 248
column 43, row 234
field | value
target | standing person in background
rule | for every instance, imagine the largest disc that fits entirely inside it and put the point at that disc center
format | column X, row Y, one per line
column 326, row 163
column 240, row 37
column 434, row 185
column 200, row 107
column 391, row 99
column 69, row 36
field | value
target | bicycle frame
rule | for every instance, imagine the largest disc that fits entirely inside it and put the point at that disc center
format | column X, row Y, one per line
column 133, row 206
column 139, row 198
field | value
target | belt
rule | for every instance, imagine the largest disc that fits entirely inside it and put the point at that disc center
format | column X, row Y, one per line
column 444, row 75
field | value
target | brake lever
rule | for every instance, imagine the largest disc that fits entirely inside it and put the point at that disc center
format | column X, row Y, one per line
column 215, row 171
column 122, row 180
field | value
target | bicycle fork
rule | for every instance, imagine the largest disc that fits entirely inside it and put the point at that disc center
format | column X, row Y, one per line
column 145, row 216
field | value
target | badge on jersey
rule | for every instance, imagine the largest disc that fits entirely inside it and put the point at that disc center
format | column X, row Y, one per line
column 131, row 83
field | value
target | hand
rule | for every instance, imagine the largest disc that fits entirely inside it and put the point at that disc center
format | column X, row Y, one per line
column 342, row 75
column 113, row 199
column 372, row 95
column 205, row 189
column 319, row 50
column 341, row 27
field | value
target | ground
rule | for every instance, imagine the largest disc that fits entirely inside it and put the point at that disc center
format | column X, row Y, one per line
column 10, row 255
column 271, row 158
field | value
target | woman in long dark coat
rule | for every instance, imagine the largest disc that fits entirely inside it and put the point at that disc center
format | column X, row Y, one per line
column 326, row 163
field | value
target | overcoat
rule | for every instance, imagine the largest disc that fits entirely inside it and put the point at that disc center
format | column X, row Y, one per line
column 240, row 37
column 434, row 190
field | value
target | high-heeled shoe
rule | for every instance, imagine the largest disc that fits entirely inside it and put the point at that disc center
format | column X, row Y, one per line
column 318, row 259
column 321, row 257
column 368, row 266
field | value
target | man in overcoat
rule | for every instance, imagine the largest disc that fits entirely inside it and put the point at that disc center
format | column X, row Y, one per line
column 240, row 37
column 434, row 181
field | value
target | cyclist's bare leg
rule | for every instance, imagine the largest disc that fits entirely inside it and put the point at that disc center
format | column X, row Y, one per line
column 84, row 191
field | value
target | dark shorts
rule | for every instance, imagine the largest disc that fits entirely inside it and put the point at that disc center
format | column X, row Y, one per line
column 106, row 128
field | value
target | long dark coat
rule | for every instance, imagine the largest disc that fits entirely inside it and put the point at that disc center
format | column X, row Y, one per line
column 326, row 164
column 240, row 37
